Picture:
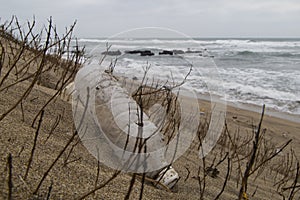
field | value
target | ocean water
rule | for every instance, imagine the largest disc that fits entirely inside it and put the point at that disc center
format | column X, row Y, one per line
column 252, row 71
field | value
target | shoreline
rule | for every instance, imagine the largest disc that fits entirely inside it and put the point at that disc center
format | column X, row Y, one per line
column 252, row 108
column 268, row 111
column 244, row 118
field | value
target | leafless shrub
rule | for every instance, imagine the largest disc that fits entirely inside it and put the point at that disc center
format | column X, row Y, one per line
column 9, row 182
column 34, row 145
column 34, row 57
column 48, row 56
column 26, row 57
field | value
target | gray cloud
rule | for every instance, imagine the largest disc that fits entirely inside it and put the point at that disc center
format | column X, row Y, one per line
column 214, row 18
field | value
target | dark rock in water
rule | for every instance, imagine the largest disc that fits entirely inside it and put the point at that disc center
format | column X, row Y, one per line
column 165, row 52
column 141, row 52
column 133, row 52
column 147, row 53
column 178, row 51
column 112, row 53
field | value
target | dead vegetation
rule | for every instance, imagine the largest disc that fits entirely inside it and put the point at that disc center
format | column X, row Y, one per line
column 43, row 158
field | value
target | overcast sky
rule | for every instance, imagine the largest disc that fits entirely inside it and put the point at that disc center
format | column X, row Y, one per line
column 197, row 18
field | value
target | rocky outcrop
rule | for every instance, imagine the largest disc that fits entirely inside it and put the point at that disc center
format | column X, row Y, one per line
column 165, row 52
column 147, row 53
column 134, row 52
column 141, row 52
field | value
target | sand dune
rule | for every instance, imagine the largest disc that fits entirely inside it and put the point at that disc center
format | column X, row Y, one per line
column 76, row 171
